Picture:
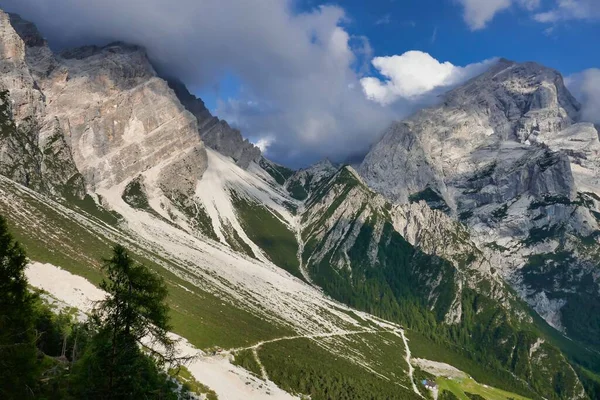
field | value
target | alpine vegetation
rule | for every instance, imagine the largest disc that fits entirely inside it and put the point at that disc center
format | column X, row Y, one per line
column 149, row 250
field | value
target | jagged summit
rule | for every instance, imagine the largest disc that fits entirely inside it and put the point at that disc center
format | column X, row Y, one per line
column 192, row 103
column 28, row 32
column 321, row 168
column 216, row 133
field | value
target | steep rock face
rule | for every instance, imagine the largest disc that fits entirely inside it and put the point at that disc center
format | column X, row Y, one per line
column 128, row 121
column 29, row 156
column 505, row 155
column 215, row 133
column 103, row 111
column 26, row 99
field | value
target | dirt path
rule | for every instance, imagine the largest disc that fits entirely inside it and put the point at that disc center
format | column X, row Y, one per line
column 254, row 348
column 400, row 333
column 411, row 370
column 263, row 370
column 314, row 336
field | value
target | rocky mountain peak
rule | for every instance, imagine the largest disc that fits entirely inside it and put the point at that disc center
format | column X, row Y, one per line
column 522, row 98
column 305, row 181
column 325, row 163
column 511, row 102
column 324, row 166
column 216, row 133
column 27, row 31
column 505, row 155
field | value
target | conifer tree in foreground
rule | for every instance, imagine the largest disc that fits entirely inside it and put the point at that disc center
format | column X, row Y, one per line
column 132, row 340
column 18, row 354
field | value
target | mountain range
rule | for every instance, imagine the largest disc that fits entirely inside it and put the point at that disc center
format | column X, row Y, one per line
column 466, row 239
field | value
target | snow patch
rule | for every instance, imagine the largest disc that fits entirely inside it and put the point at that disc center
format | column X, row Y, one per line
column 74, row 290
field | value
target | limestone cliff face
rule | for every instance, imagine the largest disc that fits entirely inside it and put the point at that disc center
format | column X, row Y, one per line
column 39, row 160
column 26, row 98
column 101, row 110
column 215, row 133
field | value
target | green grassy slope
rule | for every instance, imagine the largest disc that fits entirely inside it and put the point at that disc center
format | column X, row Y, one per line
column 51, row 234
column 269, row 233
column 50, row 237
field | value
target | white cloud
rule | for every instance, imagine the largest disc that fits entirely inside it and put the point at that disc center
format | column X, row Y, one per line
column 478, row 13
column 585, row 86
column 415, row 74
column 264, row 142
column 565, row 10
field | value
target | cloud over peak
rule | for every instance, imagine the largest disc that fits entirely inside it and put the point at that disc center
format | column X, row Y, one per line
column 565, row 10
column 585, row 86
column 414, row 75
column 299, row 71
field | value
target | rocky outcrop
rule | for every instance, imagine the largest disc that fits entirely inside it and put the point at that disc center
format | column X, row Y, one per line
column 101, row 111
column 215, row 133
column 33, row 150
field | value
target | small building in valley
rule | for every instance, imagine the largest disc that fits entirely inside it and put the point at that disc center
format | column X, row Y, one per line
column 431, row 385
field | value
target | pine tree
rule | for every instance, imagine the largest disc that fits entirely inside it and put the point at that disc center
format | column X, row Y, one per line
column 18, row 352
column 132, row 343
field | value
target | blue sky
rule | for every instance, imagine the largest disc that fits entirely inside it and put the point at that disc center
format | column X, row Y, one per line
column 308, row 79
column 513, row 34
column 438, row 28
